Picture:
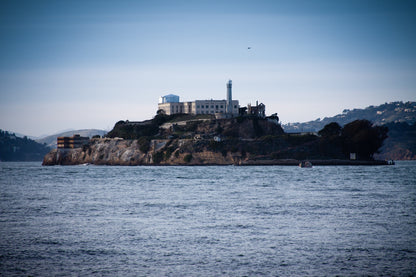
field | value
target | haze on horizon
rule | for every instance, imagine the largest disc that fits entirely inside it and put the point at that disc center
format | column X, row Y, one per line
column 88, row 64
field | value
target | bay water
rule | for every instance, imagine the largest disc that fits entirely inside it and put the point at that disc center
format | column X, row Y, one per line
column 207, row 220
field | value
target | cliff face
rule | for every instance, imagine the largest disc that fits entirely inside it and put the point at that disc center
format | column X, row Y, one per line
column 126, row 152
column 99, row 151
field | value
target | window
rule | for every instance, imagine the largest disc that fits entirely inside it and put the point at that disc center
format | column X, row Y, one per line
column 222, row 106
column 207, row 106
column 216, row 106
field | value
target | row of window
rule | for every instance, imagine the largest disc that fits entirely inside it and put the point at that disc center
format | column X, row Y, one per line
column 177, row 109
column 212, row 106
column 207, row 106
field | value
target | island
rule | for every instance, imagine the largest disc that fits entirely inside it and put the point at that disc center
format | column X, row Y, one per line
column 185, row 139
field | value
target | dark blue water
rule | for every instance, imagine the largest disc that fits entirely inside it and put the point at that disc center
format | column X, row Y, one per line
column 207, row 221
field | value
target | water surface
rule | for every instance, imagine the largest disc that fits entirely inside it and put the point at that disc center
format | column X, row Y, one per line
column 207, row 221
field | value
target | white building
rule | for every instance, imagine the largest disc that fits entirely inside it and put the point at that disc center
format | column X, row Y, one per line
column 171, row 105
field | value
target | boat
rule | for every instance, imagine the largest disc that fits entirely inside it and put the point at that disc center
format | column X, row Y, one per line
column 305, row 164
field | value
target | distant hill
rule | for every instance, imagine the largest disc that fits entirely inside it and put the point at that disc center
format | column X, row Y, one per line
column 51, row 140
column 401, row 142
column 379, row 115
column 14, row 148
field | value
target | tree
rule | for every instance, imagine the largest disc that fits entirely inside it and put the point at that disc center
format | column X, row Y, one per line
column 362, row 138
column 330, row 130
column 160, row 117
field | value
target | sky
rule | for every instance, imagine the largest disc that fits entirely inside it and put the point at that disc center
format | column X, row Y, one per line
column 88, row 64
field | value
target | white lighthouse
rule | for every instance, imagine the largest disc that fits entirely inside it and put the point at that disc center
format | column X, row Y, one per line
column 229, row 105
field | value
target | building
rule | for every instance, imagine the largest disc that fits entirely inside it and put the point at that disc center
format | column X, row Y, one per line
column 170, row 104
column 257, row 110
column 76, row 141
column 170, row 98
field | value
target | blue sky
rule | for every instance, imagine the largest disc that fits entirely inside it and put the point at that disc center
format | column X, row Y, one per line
column 88, row 64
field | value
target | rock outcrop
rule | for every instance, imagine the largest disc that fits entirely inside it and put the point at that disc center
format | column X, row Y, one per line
column 127, row 152
column 172, row 152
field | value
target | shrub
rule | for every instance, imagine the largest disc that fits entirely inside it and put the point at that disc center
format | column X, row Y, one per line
column 257, row 128
column 330, row 130
column 187, row 158
column 219, row 129
column 144, row 144
column 215, row 145
column 158, row 157
column 169, row 152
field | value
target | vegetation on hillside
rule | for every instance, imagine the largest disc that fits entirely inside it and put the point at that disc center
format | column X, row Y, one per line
column 13, row 148
column 393, row 112
column 187, row 126
column 136, row 130
column 333, row 142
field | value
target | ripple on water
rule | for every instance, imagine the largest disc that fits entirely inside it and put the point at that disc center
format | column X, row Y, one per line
column 207, row 221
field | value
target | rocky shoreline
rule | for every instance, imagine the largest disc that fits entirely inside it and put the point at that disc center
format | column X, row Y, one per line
column 169, row 152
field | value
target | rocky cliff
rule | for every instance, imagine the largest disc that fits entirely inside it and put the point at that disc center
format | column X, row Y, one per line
column 117, row 151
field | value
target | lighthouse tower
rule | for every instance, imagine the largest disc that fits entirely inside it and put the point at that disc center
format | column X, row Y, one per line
column 229, row 104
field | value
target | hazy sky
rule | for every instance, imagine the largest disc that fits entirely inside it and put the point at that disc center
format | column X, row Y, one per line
column 88, row 64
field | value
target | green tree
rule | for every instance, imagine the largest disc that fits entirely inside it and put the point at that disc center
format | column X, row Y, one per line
column 330, row 130
column 144, row 144
column 188, row 158
column 362, row 138
column 330, row 142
